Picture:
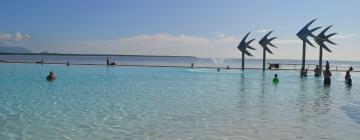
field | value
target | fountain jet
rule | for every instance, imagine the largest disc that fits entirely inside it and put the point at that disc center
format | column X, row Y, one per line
column 303, row 34
column 242, row 47
column 264, row 42
column 320, row 39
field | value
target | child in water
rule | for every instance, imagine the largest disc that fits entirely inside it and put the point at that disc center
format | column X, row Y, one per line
column 275, row 79
column 51, row 76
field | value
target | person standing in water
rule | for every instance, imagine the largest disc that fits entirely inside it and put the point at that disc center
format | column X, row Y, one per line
column 317, row 71
column 276, row 79
column 327, row 74
column 107, row 61
column 348, row 77
column 227, row 67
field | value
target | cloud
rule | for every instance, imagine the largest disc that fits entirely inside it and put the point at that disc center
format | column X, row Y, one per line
column 220, row 34
column 345, row 36
column 6, row 37
column 157, row 44
column 287, row 41
column 263, row 30
column 298, row 41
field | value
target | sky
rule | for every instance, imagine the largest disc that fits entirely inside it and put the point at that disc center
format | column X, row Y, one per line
column 203, row 28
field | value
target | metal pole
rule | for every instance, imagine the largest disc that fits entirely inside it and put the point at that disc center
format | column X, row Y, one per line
column 264, row 58
column 303, row 55
column 320, row 59
column 242, row 61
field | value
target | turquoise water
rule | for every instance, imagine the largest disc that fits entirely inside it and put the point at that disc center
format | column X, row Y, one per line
column 100, row 103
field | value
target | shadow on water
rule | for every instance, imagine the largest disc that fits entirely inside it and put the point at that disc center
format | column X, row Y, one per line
column 242, row 93
column 262, row 103
column 313, row 99
column 301, row 99
column 351, row 109
column 347, row 92
column 322, row 101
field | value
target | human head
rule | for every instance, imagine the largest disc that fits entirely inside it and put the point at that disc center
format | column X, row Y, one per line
column 317, row 66
column 351, row 68
column 275, row 75
column 51, row 73
column 327, row 67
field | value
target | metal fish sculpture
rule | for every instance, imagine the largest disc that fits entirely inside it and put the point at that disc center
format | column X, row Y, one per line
column 303, row 34
column 265, row 42
column 243, row 48
column 320, row 39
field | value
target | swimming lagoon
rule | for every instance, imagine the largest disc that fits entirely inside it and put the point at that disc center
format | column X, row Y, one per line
column 102, row 103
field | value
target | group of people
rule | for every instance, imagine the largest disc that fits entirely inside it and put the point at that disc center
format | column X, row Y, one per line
column 303, row 73
column 317, row 72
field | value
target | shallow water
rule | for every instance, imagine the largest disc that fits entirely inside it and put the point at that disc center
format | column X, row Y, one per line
column 100, row 103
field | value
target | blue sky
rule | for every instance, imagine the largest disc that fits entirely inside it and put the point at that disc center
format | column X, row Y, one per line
column 205, row 28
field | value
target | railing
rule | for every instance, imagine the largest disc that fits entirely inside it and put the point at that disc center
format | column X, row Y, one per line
column 311, row 67
column 282, row 66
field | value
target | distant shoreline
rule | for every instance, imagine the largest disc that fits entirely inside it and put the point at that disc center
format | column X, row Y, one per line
column 139, row 55
column 60, row 54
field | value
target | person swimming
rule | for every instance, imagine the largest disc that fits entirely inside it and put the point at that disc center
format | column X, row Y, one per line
column 218, row 69
column 348, row 77
column 113, row 63
column 327, row 74
column 276, row 79
column 317, row 71
column 51, row 76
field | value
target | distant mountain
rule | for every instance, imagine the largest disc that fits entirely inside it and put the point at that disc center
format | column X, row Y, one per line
column 11, row 49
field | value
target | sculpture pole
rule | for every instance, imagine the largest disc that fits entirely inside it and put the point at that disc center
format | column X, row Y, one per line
column 303, row 55
column 264, row 58
column 320, row 59
column 242, row 61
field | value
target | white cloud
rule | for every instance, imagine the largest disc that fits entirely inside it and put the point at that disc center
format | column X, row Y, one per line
column 263, row 30
column 158, row 44
column 298, row 41
column 223, row 46
column 287, row 41
column 220, row 34
column 345, row 36
column 6, row 37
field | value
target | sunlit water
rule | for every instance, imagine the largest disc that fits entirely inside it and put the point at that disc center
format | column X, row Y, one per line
column 100, row 103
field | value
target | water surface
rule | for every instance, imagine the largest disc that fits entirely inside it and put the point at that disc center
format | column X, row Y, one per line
column 101, row 103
